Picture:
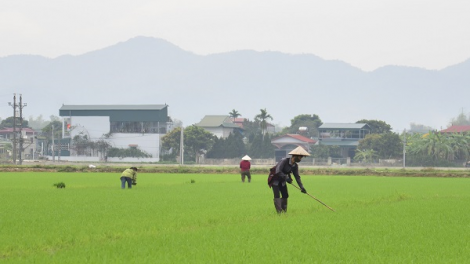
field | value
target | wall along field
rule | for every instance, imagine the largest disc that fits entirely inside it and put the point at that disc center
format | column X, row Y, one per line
column 167, row 219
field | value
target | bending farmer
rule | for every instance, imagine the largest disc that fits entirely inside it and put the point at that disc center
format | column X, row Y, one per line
column 129, row 176
column 284, row 168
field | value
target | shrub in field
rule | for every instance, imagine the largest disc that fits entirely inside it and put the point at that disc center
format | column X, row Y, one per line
column 59, row 185
column 67, row 169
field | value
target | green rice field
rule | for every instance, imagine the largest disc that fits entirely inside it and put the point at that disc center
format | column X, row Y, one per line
column 214, row 218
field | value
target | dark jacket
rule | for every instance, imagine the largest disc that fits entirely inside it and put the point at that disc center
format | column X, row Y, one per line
column 283, row 170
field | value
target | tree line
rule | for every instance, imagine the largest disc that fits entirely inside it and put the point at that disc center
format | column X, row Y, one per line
column 427, row 148
column 430, row 148
column 255, row 141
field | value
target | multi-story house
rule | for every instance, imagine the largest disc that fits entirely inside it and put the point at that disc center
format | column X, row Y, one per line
column 122, row 126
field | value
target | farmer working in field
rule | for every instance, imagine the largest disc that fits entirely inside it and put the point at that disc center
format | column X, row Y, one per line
column 284, row 168
column 245, row 166
column 129, row 176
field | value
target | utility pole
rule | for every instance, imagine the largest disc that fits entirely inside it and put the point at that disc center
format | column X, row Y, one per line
column 17, row 150
column 52, row 147
column 14, row 105
column 60, row 145
column 404, row 148
column 21, row 105
column 182, row 145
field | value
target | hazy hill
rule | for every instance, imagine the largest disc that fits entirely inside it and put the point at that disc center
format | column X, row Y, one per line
column 146, row 70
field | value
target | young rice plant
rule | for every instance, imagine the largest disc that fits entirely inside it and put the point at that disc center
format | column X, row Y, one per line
column 214, row 218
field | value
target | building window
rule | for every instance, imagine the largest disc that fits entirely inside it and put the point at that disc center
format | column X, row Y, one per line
column 138, row 127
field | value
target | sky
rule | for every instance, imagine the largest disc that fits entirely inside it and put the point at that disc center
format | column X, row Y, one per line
column 367, row 34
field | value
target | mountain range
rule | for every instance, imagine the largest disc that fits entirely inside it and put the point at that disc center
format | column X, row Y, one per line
column 146, row 70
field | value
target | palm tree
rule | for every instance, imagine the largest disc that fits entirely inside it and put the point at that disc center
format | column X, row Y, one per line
column 262, row 119
column 365, row 155
column 434, row 145
column 234, row 114
column 459, row 144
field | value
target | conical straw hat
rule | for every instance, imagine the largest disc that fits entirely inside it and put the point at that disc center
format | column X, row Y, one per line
column 246, row 157
column 299, row 151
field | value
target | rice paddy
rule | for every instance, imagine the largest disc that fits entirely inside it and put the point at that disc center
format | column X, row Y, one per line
column 214, row 218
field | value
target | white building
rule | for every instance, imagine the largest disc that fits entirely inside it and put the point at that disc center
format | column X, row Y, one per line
column 122, row 126
column 219, row 125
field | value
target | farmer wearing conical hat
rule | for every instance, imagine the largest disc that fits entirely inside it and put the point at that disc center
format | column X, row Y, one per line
column 245, row 166
column 284, row 168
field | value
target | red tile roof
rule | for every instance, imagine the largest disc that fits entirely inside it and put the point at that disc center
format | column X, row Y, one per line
column 299, row 137
column 456, row 129
column 239, row 121
column 302, row 138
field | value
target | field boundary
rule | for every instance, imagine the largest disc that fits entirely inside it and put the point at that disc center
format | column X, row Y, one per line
column 197, row 169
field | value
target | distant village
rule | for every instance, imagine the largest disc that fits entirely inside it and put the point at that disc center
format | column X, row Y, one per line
column 145, row 133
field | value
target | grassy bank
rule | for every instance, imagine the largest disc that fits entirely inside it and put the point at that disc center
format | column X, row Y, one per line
column 201, row 169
